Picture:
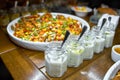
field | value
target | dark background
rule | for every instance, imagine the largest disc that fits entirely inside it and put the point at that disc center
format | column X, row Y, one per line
column 97, row 3
column 6, row 4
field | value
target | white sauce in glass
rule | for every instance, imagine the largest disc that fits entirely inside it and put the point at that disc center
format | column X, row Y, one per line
column 89, row 50
column 109, row 36
column 74, row 54
column 99, row 44
column 55, row 63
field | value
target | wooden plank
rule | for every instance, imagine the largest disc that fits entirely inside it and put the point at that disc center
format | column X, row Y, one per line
column 20, row 67
column 5, row 43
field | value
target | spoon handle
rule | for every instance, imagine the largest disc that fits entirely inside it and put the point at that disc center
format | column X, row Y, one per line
column 109, row 18
column 103, row 22
column 83, row 30
column 66, row 36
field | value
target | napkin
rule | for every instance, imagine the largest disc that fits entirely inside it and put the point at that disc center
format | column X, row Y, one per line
column 114, row 19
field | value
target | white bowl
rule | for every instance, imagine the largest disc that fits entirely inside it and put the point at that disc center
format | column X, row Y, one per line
column 112, row 71
column 81, row 13
column 114, row 55
column 41, row 46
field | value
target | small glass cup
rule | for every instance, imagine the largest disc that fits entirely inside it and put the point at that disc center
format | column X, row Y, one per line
column 25, row 11
column 33, row 9
column 74, row 53
column 14, row 13
column 95, row 30
column 4, row 18
column 109, row 34
column 55, row 60
column 88, row 43
column 99, row 38
column 43, row 7
column 99, row 44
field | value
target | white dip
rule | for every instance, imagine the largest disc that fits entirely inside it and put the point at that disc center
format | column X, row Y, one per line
column 99, row 44
column 74, row 54
column 55, row 63
column 109, row 36
column 89, row 50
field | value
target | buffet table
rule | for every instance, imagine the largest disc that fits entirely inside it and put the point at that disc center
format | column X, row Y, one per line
column 24, row 64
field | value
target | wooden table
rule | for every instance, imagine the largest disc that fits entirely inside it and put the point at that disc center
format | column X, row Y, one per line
column 24, row 64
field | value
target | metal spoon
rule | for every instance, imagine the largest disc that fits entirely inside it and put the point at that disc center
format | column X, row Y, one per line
column 103, row 22
column 83, row 31
column 109, row 18
column 65, row 38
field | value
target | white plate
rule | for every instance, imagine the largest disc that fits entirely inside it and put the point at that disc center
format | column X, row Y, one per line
column 112, row 71
column 41, row 46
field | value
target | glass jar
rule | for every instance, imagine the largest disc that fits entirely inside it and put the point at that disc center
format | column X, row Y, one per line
column 99, row 44
column 99, row 38
column 33, row 9
column 4, row 18
column 43, row 6
column 25, row 11
column 55, row 61
column 88, row 43
column 74, row 53
column 109, row 34
column 14, row 13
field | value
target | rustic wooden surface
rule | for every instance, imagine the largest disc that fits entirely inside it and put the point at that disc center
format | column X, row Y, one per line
column 25, row 64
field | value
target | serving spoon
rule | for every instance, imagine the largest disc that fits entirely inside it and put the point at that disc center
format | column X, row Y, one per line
column 83, row 31
column 65, row 38
column 109, row 18
column 103, row 22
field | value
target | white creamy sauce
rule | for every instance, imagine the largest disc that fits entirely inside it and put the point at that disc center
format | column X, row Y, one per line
column 89, row 50
column 56, row 68
column 99, row 44
column 75, row 57
column 109, row 36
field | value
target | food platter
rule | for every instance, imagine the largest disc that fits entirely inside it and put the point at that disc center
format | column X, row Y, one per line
column 112, row 71
column 40, row 46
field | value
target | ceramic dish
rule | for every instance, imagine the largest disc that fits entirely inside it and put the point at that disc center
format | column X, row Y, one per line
column 81, row 11
column 112, row 71
column 115, row 55
column 41, row 46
